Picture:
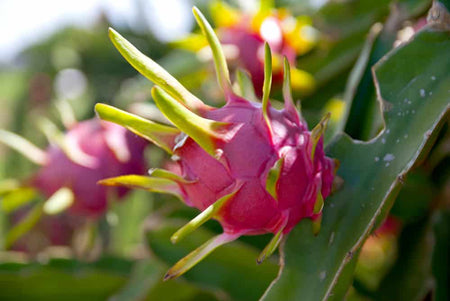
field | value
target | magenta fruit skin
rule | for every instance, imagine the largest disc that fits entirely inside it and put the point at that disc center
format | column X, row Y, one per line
column 91, row 137
column 243, row 165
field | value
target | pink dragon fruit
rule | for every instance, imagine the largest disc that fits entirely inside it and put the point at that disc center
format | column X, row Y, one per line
column 251, row 167
column 103, row 149
column 90, row 150
column 247, row 32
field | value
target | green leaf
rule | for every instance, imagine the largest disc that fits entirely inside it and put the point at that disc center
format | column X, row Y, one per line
column 416, row 99
column 62, row 279
column 220, row 269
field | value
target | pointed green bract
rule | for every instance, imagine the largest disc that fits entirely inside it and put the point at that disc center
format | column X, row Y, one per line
column 198, row 254
column 25, row 147
column 245, row 86
column 204, row 131
column 203, row 217
column 70, row 147
column 267, row 82
column 219, row 57
column 155, row 73
column 287, row 93
column 318, row 205
column 161, row 135
column 17, row 198
column 62, row 199
column 316, row 225
column 318, row 132
column 142, row 182
column 66, row 113
column 165, row 174
column 271, row 247
column 272, row 178
column 24, row 225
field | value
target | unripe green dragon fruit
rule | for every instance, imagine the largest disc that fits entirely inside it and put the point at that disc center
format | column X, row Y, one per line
column 251, row 167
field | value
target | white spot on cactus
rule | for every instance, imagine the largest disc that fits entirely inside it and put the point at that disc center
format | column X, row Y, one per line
column 397, row 141
column 430, row 93
column 383, row 140
column 322, row 275
column 413, row 112
column 388, row 131
column 433, row 77
column 377, row 159
column 405, row 136
column 331, row 238
column 422, row 92
column 387, row 164
column 388, row 157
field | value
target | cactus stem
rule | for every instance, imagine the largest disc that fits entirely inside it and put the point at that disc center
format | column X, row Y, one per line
column 203, row 217
column 198, row 254
column 271, row 247
column 267, row 83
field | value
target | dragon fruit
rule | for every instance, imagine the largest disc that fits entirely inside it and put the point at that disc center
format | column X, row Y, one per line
column 104, row 149
column 251, row 167
column 247, row 33
column 89, row 151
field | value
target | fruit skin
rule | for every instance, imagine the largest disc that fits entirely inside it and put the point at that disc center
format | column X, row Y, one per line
column 247, row 155
column 94, row 138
